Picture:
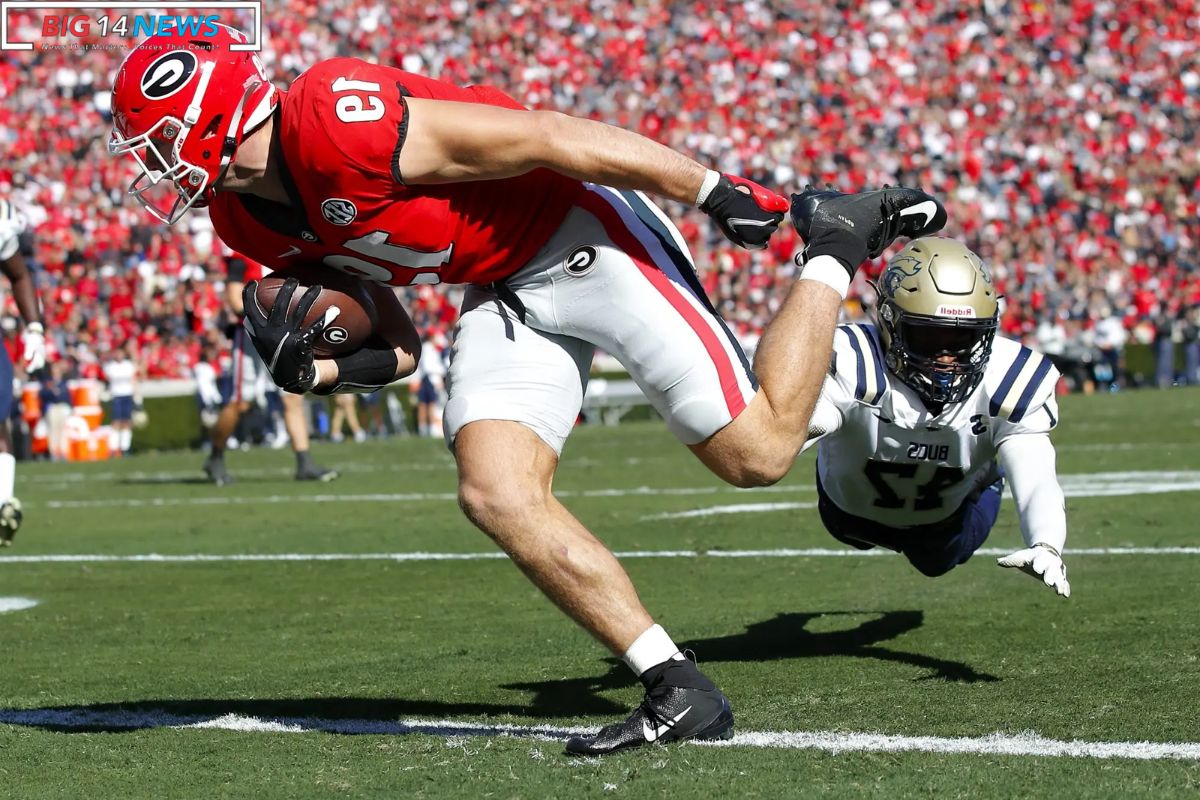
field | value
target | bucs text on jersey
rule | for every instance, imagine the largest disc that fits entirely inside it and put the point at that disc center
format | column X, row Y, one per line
column 342, row 126
column 885, row 457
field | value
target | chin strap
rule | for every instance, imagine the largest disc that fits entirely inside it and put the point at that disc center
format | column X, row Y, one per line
column 233, row 134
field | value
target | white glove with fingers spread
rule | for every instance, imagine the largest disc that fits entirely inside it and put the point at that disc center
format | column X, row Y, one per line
column 1041, row 561
column 33, row 347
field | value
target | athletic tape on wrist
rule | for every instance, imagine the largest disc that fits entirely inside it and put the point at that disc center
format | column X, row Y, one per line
column 364, row 370
column 827, row 270
column 711, row 179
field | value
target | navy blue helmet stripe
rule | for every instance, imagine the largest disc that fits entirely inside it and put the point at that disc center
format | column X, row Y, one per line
column 860, row 386
column 1039, row 375
column 1010, row 378
column 683, row 266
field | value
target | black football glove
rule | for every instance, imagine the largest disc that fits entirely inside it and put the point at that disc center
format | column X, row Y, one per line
column 284, row 346
column 746, row 213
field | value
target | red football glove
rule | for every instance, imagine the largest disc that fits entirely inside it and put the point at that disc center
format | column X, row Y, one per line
column 746, row 213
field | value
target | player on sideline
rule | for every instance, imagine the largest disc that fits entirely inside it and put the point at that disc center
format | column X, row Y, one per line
column 247, row 374
column 33, row 356
column 402, row 179
column 925, row 414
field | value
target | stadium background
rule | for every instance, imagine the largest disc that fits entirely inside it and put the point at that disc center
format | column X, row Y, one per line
column 1061, row 135
column 177, row 639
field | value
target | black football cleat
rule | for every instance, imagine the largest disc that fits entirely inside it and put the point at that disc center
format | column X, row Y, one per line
column 10, row 520
column 312, row 472
column 215, row 469
column 876, row 218
column 668, row 713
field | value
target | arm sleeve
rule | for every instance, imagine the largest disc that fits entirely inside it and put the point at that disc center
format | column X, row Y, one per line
column 235, row 269
column 1028, row 463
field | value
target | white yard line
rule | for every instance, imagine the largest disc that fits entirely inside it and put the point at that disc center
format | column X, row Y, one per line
column 16, row 604
column 741, row 508
column 1099, row 484
column 399, row 497
column 810, row 552
column 1023, row 744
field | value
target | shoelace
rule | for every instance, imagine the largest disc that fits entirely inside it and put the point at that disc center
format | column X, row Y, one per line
column 656, row 719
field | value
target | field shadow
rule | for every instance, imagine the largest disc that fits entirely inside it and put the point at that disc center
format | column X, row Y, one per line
column 784, row 636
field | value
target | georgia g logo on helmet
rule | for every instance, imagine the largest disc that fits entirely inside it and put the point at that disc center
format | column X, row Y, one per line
column 169, row 74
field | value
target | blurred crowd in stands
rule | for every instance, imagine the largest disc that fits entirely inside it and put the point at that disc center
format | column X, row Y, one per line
column 1062, row 136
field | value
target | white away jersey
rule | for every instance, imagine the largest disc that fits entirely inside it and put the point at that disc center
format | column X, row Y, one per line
column 886, row 458
column 12, row 225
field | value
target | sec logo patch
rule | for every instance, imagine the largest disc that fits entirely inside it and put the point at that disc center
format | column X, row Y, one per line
column 581, row 261
column 339, row 211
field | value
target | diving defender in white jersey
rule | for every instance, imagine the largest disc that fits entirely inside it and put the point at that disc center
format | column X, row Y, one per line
column 926, row 414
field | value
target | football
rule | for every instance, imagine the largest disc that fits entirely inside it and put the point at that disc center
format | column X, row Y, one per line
column 357, row 315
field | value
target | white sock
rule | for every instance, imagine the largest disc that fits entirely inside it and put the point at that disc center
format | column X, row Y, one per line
column 650, row 649
column 8, row 475
column 126, row 439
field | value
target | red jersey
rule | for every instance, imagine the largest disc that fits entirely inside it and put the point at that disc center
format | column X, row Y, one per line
column 341, row 127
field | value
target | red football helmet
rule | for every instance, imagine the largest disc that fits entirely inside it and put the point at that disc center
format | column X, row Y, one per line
column 181, row 105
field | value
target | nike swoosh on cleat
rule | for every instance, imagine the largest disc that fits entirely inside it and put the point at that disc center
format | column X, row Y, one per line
column 926, row 208
column 653, row 734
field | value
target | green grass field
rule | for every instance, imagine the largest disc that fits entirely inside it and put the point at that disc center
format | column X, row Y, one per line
column 304, row 669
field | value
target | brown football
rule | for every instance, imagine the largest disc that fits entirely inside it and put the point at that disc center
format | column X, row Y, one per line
column 356, row 319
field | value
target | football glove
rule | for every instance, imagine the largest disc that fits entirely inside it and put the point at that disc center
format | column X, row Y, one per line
column 1043, row 562
column 744, row 211
column 33, row 347
column 284, row 346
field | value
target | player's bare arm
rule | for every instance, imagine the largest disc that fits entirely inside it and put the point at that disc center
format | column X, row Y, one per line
column 233, row 296
column 449, row 142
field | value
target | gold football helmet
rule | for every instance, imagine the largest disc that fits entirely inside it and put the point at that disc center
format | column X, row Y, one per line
column 937, row 318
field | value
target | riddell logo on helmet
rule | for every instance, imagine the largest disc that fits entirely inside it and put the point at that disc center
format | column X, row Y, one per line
column 61, row 31
column 955, row 311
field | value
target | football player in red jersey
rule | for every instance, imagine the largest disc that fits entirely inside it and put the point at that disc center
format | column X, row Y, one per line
column 401, row 179
column 247, row 367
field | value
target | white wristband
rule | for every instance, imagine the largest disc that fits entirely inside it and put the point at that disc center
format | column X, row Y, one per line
column 827, row 270
column 711, row 179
